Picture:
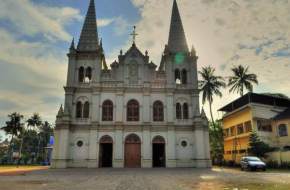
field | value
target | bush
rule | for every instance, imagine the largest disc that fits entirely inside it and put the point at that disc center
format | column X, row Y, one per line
column 285, row 165
column 272, row 164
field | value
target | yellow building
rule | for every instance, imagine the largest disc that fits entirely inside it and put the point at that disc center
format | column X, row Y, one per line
column 254, row 112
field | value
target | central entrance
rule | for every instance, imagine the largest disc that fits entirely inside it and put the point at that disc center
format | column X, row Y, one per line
column 106, row 152
column 132, row 151
column 158, row 152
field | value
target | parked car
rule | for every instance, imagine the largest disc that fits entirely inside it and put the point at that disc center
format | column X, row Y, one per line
column 252, row 163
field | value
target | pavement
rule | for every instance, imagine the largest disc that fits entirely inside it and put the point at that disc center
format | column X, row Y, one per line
column 145, row 179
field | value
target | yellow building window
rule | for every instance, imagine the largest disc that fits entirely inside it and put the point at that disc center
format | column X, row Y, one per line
column 248, row 126
column 240, row 129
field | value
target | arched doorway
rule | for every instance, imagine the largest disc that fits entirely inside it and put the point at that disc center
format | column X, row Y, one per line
column 106, row 152
column 158, row 152
column 132, row 151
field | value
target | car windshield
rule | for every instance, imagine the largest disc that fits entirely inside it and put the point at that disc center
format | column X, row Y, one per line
column 253, row 159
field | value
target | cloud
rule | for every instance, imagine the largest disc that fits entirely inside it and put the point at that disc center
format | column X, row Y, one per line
column 226, row 33
column 33, row 62
column 104, row 22
column 32, row 19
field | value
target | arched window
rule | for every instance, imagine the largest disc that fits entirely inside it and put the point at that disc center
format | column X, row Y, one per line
column 107, row 111
column 184, row 77
column 86, row 110
column 185, row 111
column 133, row 110
column 81, row 74
column 282, row 130
column 79, row 110
column 88, row 74
column 178, row 111
column 177, row 76
column 158, row 113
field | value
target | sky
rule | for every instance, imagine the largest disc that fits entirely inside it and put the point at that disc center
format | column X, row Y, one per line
column 35, row 36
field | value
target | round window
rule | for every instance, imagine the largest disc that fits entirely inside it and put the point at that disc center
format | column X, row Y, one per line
column 183, row 143
column 80, row 143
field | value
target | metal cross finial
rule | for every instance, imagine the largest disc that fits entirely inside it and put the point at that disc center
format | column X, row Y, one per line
column 134, row 34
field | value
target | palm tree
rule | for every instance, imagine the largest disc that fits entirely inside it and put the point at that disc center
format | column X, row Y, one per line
column 210, row 85
column 241, row 79
column 34, row 122
column 14, row 128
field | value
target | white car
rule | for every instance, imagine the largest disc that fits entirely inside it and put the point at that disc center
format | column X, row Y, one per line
column 252, row 163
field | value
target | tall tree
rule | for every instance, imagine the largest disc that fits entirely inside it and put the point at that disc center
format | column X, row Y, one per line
column 241, row 80
column 216, row 138
column 46, row 131
column 14, row 128
column 210, row 85
column 257, row 147
column 34, row 122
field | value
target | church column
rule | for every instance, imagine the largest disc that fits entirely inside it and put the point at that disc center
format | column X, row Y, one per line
column 201, row 147
column 147, row 148
column 95, row 107
column 170, row 108
column 60, row 158
column 171, row 148
column 119, row 107
column 118, row 147
column 93, row 153
column 146, row 107
column 195, row 105
column 69, row 100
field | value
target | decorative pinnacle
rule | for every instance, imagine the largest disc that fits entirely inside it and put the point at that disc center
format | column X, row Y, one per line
column 72, row 46
column 134, row 34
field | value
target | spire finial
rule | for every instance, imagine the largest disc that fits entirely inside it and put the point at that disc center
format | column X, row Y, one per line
column 89, row 36
column 134, row 34
column 177, row 40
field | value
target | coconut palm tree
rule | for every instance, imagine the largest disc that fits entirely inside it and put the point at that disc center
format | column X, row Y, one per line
column 241, row 79
column 34, row 122
column 14, row 128
column 210, row 86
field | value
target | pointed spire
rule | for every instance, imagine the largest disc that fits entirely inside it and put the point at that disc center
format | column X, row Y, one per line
column 72, row 46
column 60, row 112
column 177, row 40
column 193, row 51
column 89, row 36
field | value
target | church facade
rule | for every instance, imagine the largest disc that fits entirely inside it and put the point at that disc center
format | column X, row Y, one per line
column 133, row 113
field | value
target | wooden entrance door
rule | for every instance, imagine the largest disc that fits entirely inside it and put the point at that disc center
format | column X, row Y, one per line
column 132, row 152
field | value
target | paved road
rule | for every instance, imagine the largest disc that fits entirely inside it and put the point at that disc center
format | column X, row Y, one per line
column 140, row 179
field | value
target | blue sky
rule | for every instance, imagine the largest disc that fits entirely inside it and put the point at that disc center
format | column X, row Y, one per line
column 35, row 36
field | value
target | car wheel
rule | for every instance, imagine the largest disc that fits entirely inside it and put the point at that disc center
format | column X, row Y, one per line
column 264, row 169
column 242, row 169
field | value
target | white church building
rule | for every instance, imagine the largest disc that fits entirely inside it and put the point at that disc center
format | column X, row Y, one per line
column 132, row 113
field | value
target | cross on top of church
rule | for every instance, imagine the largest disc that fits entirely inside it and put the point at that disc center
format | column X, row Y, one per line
column 134, row 34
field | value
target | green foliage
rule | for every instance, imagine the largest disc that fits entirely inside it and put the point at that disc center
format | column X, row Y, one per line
column 216, row 142
column 13, row 127
column 34, row 121
column 241, row 79
column 210, row 85
column 257, row 147
column 30, row 141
